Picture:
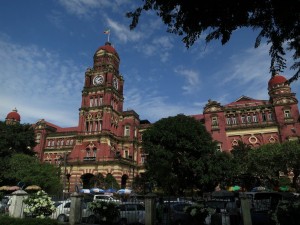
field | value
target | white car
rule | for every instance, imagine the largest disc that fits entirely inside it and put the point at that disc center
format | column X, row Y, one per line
column 62, row 212
column 132, row 213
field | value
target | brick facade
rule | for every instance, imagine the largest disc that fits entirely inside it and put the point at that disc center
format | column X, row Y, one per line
column 107, row 139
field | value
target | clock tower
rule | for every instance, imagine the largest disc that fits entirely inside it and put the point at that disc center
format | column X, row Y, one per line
column 102, row 95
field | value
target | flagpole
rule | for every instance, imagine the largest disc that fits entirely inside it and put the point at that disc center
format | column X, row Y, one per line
column 108, row 37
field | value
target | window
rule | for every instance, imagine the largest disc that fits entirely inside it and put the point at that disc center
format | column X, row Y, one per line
column 264, row 117
column 270, row 116
column 96, row 126
column 62, row 142
column 243, row 119
column 228, row 121
column 135, row 132
column 219, row 147
column 88, row 152
column 71, row 142
column 94, row 152
column 100, row 101
column 67, row 142
column 90, row 126
column 254, row 118
column 49, row 143
column 248, row 119
column 287, row 113
column 91, row 102
column 95, row 102
column 234, row 120
column 52, row 144
column 126, row 155
column 214, row 121
column 127, row 131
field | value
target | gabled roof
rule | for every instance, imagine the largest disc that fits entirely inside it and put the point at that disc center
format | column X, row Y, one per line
column 58, row 128
column 243, row 100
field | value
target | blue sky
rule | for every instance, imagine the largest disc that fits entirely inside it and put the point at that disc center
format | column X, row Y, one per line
column 46, row 47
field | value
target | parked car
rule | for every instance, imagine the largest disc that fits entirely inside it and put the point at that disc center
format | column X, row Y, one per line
column 130, row 213
column 4, row 204
column 174, row 212
column 62, row 212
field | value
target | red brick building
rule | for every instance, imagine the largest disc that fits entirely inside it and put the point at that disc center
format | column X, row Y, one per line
column 252, row 121
column 108, row 139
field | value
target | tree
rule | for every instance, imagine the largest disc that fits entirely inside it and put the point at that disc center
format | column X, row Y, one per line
column 291, row 156
column 97, row 180
column 31, row 171
column 178, row 150
column 240, row 154
column 111, row 182
column 16, row 138
column 266, row 161
column 277, row 22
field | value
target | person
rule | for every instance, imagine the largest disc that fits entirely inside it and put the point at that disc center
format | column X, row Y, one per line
column 218, row 188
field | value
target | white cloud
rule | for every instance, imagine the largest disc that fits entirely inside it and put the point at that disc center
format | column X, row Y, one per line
column 38, row 83
column 83, row 8
column 151, row 105
column 122, row 32
column 192, row 80
column 246, row 73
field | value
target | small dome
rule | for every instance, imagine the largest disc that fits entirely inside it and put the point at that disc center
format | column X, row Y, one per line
column 108, row 48
column 277, row 79
column 14, row 115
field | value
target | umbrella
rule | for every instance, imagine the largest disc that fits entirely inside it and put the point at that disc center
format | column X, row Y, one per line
column 124, row 191
column 111, row 190
column 4, row 188
column 284, row 188
column 33, row 188
column 86, row 191
column 236, row 188
column 96, row 190
column 260, row 188
column 14, row 188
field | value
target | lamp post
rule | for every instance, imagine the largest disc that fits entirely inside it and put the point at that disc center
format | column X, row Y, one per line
column 64, row 160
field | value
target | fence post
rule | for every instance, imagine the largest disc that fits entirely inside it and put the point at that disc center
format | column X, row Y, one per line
column 245, row 206
column 16, row 205
column 75, row 209
column 150, row 209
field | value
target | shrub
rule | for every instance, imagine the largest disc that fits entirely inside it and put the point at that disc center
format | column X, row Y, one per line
column 107, row 210
column 198, row 213
column 287, row 213
column 39, row 205
column 6, row 220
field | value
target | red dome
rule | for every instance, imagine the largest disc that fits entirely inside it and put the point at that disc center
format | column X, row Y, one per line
column 277, row 79
column 14, row 115
column 108, row 48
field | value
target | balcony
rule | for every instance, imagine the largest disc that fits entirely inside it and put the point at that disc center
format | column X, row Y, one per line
column 250, row 125
column 289, row 120
column 89, row 158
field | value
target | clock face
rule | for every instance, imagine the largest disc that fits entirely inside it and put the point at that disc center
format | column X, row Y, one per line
column 99, row 79
column 115, row 83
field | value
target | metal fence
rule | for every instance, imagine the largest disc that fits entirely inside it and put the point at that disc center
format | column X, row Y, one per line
column 168, row 210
